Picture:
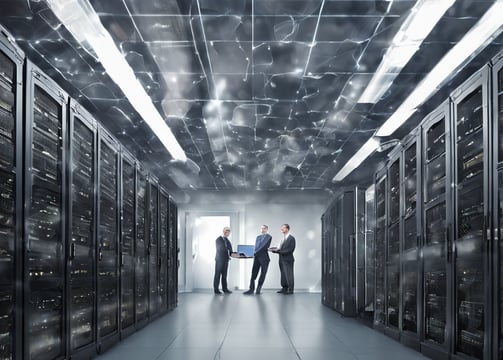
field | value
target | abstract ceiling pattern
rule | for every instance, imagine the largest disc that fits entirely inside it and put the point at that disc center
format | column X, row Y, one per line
column 260, row 94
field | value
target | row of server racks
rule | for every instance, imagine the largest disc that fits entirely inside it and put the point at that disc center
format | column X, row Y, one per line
column 88, row 239
column 433, row 229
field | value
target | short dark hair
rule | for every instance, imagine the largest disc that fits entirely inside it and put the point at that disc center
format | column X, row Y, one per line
column 287, row 226
column 267, row 227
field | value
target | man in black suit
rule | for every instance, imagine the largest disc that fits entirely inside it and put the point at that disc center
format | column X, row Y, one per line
column 222, row 256
column 260, row 260
column 286, row 260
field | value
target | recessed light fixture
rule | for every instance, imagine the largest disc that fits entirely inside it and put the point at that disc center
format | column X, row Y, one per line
column 480, row 35
column 79, row 17
column 417, row 26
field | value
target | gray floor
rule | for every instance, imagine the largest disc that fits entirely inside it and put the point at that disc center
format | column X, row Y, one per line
column 257, row 327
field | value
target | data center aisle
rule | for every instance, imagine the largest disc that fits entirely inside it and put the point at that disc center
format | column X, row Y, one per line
column 257, row 327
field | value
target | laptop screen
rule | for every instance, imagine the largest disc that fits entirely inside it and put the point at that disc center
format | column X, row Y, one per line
column 247, row 250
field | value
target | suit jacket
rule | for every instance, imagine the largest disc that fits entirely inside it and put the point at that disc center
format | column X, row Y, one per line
column 224, row 248
column 286, row 249
column 261, row 253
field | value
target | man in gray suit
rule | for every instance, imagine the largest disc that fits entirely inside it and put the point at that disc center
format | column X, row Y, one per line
column 260, row 260
column 222, row 257
column 286, row 260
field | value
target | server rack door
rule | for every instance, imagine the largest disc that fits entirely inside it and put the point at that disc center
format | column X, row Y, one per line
column 380, row 252
column 173, row 251
column 409, row 240
column 323, row 258
column 497, row 147
column 497, row 348
column 81, row 259
column 11, row 122
column 359, row 247
column 470, row 134
column 127, row 242
column 153, row 247
column 370, row 224
column 163, row 250
column 348, row 253
column 44, row 305
column 108, row 216
column 337, row 256
column 435, row 245
column 141, row 258
column 393, row 247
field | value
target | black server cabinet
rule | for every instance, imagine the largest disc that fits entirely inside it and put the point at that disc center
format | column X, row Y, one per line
column 173, row 252
column 370, row 224
column 108, row 241
column 497, row 243
column 163, row 249
column 328, row 274
column 11, row 190
column 153, row 246
column 393, row 281
column 45, row 216
column 470, row 123
column 436, row 259
column 380, row 251
column 410, row 240
column 141, row 254
column 127, row 244
column 327, row 257
column 81, row 244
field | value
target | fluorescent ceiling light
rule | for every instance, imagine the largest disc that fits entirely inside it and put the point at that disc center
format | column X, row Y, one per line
column 81, row 20
column 365, row 151
column 486, row 29
column 422, row 19
column 481, row 34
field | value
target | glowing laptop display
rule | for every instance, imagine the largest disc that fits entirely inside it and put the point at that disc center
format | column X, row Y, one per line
column 246, row 250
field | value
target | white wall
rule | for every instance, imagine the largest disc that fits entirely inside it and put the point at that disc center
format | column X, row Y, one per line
column 301, row 209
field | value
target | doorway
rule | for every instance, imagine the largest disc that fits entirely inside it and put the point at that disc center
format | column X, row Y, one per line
column 203, row 229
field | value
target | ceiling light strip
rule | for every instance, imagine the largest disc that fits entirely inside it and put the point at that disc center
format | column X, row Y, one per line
column 487, row 28
column 365, row 151
column 475, row 40
column 83, row 23
column 417, row 26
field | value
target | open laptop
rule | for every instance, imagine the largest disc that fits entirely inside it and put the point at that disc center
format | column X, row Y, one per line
column 246, row 251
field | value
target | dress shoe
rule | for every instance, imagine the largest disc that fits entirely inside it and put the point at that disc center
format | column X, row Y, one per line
column 227, row 291
column 288, row 292
column 281, row 291
column 248, row 292
column 218, row 292
column 258, row 292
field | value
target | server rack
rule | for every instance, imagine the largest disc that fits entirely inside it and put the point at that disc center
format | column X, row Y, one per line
column 163, row 249
column 393, row 227
column 127, row 244
column 345, row 263
column 141, row 254
column 410, row 241
column 469, row 238
column 436, row 271
column 153, row 246
column 328, row 273
column 370, row 224
column 173, row 251
column 11, row 191
column 497, row 206
column 380, row 250
column 108, row 240
column 81, row 244
column 45, row 214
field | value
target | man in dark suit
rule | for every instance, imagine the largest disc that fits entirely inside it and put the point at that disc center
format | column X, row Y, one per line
column 260, row 260
column 286, row 260
column 222, row 256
